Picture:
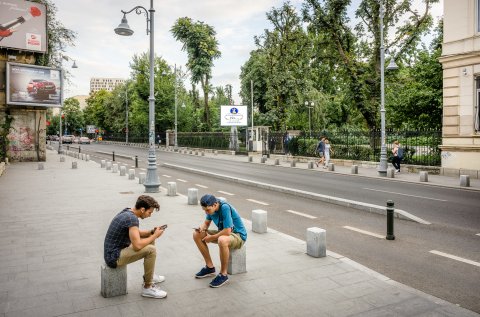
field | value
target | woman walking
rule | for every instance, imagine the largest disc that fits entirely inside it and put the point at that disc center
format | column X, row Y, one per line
column 328, row 149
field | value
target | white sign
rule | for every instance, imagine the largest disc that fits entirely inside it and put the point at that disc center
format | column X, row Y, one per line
column 90, row 129
column 233, row 116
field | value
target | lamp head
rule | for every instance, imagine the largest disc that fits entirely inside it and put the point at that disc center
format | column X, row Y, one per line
column 123, row 28
column 392, row 65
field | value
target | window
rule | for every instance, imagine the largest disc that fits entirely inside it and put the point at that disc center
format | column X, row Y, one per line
column 477, row 104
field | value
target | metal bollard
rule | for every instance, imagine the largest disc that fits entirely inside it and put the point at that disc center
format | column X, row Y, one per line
column 136, row 161
column 113, row 156
column 390, row 209
column 79, row 149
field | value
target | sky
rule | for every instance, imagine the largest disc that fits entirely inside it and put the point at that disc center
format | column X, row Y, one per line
column 99, row 52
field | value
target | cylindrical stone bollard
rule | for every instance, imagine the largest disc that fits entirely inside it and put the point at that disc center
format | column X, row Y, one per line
column 464, row 180
column 259, row 221
column 317, row 242
column 131, row 173
column 196, row 152
column 331, row 167
column 190, row 152
column 102, row 164
column 114, row 168
column 62, row 158
column 171, row 189
column 277, row 161
column 141, row 178
column 354, row 169
column 293, row 163
column 263, row 159
column 390, row 173
column 310, row 164
column 109, row 166
column 123, row 170
column 390, row 215
column 87, row 157
column 40, row 166
column 74, row 165
column 215, row 153
column 250, row 159
column 193, row 196
column 424, row 176
column 203, row 153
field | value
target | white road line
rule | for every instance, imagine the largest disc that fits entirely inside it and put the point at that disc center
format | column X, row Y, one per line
column 201, row 186
column 258, row 202
column 143, row 169
column 364, row 232
column 384, row 191
column 226, row 193
column 454, row 257
column 301, row 214
column 478, row 234
column 167, row 176
column 181, row 180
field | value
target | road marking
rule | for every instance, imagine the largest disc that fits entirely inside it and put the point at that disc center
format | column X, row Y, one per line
column 226, row 193
column 202, row 186
column 478, row 234
column 384, row 191
column 181, row 180
column 454, row 257
column 143, row 169
column 167, row 176
column 364, row 232
column 301, row 214
column 258, row 202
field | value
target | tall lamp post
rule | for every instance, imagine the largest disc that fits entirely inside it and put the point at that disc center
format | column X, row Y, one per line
column 176, row 124
column 152, row 183
column 310, row 106
column 126, row 113
column 74, row 65
column 382, row 167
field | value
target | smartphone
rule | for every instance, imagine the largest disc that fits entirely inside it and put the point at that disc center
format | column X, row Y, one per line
column 163, row 227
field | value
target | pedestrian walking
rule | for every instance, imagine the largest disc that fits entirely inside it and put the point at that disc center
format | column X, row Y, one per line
column 231, row 234
column 328, row 150
column 397, row 152
column 126, row 243
column 321, row 151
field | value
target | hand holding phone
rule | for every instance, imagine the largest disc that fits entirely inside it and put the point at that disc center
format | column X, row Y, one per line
column 163, row 227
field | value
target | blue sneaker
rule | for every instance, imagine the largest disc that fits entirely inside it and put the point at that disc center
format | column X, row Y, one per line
column 205, row 271
column 219, row 280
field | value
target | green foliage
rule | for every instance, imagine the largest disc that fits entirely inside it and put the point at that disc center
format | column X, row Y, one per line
column 74, row 119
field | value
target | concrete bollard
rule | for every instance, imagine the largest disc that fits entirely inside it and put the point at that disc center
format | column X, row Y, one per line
column 390, row 173
column 62, row 158
column 203, row 153
column 196, row 152
column 74, row 165
column 237, row 260
column 331, row 167
column 40, row 166
column 123, row 170
column 190, row 152
column 354, row 169
column 424, row 176
column 310, row 164
column 115, row 168
column 102, row 164
column 109, row 166
column 193, row 196
column 141, row 178
column 293, row 164
column 87, row 157
column 114, row 281
column 263, row 159
column 131, row 173
column 316, row 242
column 277, row 161
column 171, row 189
column 250, row 159
column 464, row 180
column 259, row 221
column 215, row 153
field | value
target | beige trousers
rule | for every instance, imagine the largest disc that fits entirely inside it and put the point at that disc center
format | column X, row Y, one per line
column 148, row 253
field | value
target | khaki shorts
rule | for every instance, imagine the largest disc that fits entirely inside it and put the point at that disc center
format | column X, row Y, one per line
column 236, row 241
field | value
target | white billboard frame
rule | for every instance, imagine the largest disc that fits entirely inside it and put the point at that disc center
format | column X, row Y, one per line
column 233, row 116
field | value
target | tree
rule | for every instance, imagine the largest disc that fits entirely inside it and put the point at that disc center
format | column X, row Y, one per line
column 201, row 46
column 74, row 121
column 95, row 112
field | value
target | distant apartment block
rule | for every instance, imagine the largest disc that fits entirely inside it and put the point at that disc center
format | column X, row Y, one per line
column 107, row 84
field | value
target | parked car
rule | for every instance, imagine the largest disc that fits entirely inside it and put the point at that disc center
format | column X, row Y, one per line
column 41, row 87
column 67, row 138
column 84, row 140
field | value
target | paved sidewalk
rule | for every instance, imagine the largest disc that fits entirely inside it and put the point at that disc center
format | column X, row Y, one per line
column 54, row 221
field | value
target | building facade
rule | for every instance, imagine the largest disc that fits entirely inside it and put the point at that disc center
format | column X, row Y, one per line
column 461, row 85
column 107, row 84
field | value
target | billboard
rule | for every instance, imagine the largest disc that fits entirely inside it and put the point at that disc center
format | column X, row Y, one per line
column 29, row 85
column 233, row 116
column 23, row 25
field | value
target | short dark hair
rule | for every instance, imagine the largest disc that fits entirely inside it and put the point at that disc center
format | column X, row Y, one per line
column 147, row 202
column 208, row 200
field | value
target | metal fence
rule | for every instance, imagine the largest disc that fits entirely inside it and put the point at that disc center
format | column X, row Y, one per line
column 3, row 149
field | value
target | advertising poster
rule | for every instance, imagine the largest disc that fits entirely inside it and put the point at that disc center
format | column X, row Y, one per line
column 233, row 116
column 23, row 25
column 30, row 85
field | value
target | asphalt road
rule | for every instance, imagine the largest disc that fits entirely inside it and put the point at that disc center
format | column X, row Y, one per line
column 412, row 258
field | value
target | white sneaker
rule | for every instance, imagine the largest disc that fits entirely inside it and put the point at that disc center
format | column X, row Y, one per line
column 153, row 292
column 158, row 279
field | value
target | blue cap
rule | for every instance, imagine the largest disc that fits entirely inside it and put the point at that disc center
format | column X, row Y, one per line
column 208, row 200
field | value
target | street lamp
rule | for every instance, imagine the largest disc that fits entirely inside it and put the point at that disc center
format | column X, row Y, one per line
column 310, row 106
column 126, row 113
column 152, row 183
column 382, row 167
column 74, row 65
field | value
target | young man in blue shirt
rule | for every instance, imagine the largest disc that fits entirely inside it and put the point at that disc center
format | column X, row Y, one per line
column 231, row 233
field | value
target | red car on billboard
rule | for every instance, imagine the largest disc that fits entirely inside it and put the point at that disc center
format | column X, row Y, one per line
column 40, row 87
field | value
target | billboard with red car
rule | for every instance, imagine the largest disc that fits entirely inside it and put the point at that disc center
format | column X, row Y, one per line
column 30, row 85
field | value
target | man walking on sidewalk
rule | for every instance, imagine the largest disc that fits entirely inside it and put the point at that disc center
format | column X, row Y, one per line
column 126, row 243
column 231, row 233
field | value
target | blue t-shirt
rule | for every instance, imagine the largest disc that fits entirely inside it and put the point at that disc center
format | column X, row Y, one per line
column 231, row 218
column 117, row 237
